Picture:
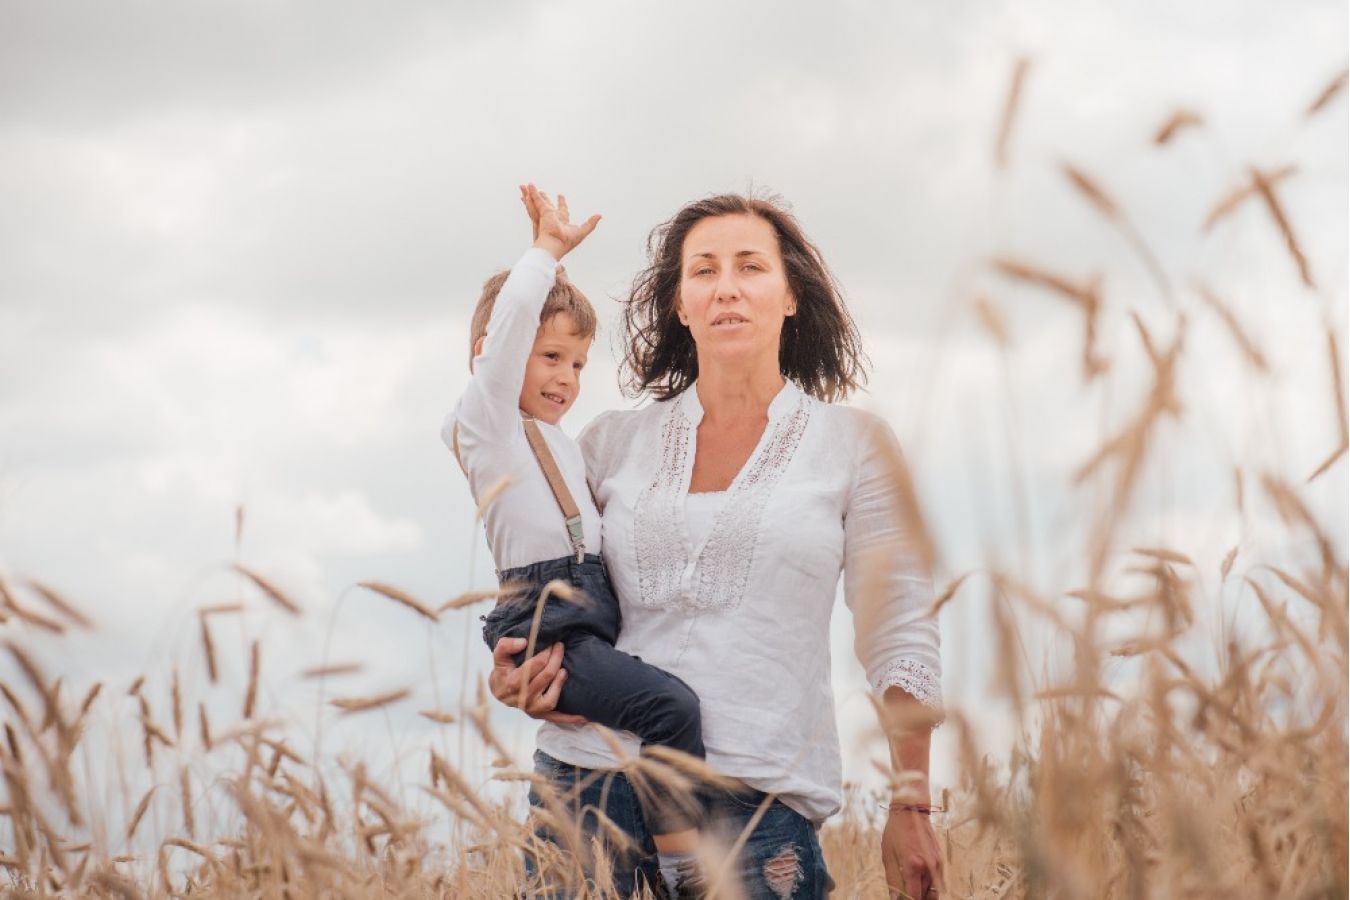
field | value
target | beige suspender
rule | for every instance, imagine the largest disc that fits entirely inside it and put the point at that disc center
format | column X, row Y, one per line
column 571, row 514
column 552, row 474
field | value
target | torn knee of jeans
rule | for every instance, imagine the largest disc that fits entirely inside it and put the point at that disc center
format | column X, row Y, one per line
column 783, row 871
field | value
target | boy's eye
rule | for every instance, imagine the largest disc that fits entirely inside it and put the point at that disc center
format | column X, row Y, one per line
column 551, row 355
column 579, row 365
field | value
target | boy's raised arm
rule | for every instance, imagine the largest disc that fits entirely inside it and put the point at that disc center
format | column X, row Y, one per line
column 490, row 406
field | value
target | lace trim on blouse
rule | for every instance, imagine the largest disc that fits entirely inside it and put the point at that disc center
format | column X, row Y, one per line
column 658, row 517
column 913, row 677
column 723, row 564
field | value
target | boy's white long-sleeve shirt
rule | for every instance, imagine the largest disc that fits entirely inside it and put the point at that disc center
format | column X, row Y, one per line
column 524, row 524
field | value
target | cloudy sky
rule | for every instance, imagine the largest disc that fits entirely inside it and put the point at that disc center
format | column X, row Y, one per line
column 239, row 243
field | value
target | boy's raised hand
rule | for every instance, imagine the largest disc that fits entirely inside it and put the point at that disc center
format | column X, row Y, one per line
column 553, row 229
column 531, row 210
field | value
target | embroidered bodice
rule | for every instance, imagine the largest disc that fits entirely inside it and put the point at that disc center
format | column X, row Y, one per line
column 712, row 575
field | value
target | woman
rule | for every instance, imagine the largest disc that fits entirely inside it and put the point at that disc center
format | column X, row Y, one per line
column 731, row 506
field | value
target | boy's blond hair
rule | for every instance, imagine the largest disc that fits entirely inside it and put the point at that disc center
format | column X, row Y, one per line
column 564, row 297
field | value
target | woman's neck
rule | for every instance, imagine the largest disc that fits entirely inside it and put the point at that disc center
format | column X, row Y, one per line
column 734, row 393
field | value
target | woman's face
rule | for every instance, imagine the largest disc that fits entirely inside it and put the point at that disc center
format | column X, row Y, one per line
column 734, row 292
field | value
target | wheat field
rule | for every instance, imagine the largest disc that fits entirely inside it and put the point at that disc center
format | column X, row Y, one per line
column 1190, row 778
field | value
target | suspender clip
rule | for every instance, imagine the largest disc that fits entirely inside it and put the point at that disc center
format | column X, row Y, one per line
column 577, row 536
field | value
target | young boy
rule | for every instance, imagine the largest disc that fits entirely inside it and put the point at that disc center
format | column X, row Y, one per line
column 530, row 336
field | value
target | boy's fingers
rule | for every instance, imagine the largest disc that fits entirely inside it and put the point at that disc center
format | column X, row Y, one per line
column 589, row 225
column 544, row 677
column 529, row 670
column 549, row 698
column 521, row 684
column 539, row 682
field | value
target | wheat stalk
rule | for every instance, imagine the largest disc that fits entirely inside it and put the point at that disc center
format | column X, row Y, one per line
column 59, row 603
column 350, row 668
column 1265, row 189
column 1011, row 104
column 1334, row 89
column 271, row 591
column 1178, row 121
column 139, row 813
column 254, row 664
column 400, row 597
column 361, row 704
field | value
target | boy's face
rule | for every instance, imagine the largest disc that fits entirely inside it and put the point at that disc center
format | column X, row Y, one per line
column 553, row 373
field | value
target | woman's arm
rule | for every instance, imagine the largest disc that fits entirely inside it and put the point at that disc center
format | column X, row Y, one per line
column 910, row 854
column 888, row 587
column 887, row 584
column 602, row 447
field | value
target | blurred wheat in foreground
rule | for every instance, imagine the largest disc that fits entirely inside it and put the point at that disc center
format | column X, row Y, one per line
column 1187, row 777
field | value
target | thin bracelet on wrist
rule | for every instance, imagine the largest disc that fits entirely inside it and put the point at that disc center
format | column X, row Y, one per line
column 921, row 808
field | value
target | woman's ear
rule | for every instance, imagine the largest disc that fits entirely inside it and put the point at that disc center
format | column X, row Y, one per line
column 791, row 309
column 679, row 313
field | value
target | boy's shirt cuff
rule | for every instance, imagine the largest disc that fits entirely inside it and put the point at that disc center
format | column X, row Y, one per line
column 540, row 259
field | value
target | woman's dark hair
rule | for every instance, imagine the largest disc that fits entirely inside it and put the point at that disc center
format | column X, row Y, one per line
column 820, row 349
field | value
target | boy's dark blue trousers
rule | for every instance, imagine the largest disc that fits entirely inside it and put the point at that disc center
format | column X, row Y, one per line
column 604, row 685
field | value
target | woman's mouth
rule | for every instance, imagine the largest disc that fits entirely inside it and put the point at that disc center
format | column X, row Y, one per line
column 727, row 320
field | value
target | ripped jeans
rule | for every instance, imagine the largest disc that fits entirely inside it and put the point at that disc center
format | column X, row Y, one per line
column 781, row 858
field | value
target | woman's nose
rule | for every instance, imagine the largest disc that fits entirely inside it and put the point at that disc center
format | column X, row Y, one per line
column 727, row 287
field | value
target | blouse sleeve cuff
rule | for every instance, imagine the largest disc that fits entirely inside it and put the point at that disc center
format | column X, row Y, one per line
column 914, row 678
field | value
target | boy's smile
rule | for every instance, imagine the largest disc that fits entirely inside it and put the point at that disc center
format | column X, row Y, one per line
column 553, row 372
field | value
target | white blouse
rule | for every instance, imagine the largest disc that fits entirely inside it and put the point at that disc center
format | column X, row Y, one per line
column 524, row 524
column 700, row 512
column 745, row 618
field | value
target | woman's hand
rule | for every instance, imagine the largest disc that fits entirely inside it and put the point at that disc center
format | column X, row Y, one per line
column 532, row 688
column 910, row 856
column 553, row 229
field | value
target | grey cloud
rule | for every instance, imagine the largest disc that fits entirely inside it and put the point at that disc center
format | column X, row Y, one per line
column 389, row 192
column 72, row 67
